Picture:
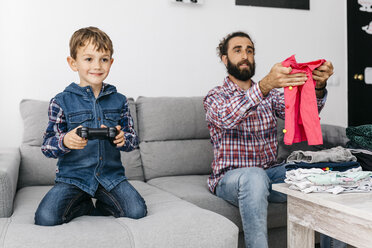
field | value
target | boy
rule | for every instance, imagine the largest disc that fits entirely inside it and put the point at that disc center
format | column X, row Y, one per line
column 93, row 168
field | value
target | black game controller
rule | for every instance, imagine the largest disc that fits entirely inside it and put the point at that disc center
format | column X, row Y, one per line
column 108, row 133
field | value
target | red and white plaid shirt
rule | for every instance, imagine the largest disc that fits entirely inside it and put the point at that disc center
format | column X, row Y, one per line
column 242, row 126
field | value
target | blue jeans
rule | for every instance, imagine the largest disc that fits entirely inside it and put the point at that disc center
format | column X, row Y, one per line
column 328, row 242
column 64, row 202
column 250, row 190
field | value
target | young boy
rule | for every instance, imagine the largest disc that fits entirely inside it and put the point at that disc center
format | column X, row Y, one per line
column 89, row 168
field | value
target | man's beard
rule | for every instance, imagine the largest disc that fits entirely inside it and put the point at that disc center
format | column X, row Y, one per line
column 241, row 74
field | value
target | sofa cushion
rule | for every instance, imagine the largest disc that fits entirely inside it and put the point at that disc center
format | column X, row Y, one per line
column 171, row 222
column 171, row 118
column 174, row 136
column 35, row 120
column 194, row 189
column 182, row 157
column 133, row 165
column 35, row 168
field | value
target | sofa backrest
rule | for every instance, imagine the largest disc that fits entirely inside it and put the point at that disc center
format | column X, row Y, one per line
column 174, row 137
column 35, row 168
column 174, row 140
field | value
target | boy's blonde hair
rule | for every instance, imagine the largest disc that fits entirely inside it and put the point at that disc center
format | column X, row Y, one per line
column 92, row 35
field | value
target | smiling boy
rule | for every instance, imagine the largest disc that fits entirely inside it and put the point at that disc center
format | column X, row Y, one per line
column 89, row 169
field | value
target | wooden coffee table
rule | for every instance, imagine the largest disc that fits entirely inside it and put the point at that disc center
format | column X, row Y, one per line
column 346, row 217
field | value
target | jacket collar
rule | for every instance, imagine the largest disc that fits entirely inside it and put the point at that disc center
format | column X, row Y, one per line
column 87, row 90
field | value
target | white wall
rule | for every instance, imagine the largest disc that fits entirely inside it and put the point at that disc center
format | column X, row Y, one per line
column 162, row 48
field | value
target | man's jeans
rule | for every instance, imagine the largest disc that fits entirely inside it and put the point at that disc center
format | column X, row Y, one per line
column 250, row 190
column 328, row 242
column 65, row 202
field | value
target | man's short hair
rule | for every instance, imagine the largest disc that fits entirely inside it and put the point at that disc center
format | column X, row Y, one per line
column 223, row 46
column 93, row 35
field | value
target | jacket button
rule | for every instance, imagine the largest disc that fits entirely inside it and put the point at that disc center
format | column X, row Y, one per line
column 284, row 130
column 100, row 158
column 97, row 174
column 99, row 118
column 290, row 87
column 287, row 106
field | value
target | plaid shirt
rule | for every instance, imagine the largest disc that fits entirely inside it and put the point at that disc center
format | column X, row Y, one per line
column 52, row 146
column 242, row 126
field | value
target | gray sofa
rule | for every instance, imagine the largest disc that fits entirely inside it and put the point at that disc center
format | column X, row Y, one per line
column 169, row 170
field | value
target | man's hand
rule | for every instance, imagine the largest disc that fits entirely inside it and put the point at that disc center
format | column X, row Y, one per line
column 119, row 139
column 74, row 141
column 322, row 73
column 279, row 77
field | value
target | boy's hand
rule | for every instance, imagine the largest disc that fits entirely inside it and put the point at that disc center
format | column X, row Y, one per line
column 74, row 141
column 119, row 139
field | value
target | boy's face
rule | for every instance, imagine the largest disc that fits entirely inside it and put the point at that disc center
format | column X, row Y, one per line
column 93, row 66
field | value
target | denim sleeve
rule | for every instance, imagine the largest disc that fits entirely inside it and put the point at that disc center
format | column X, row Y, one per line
column 127, row 126
column 52, row 146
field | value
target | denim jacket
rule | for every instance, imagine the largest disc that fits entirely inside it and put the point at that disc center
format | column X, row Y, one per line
column 99, row 162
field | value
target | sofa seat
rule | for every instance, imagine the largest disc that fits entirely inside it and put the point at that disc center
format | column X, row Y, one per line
column 194, row 189
column 169, row 219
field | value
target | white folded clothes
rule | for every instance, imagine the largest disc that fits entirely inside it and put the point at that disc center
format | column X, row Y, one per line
column 335, row 182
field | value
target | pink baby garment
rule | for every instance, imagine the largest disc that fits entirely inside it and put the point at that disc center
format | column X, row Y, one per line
column 301, row 109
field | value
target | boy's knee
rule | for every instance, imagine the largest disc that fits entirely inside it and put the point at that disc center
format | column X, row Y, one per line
column 137, row 212
column 46, row 218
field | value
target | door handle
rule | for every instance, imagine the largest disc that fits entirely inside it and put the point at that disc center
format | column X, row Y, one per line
column 358, row 77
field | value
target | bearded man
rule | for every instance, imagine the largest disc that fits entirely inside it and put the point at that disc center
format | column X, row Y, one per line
column 242, row 120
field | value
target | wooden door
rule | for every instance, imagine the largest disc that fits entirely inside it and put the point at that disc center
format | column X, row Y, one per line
column 359, row 27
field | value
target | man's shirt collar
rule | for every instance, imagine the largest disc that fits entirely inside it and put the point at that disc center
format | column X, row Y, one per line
column 228, row 83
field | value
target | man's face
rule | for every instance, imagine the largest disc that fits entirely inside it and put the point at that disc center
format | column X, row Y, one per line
column 240, row 58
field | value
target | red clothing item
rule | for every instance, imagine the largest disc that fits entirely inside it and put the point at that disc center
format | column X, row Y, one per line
column 301, row 109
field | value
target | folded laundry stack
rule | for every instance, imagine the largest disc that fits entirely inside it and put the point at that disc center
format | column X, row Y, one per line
column 334, row 170
column 318, row 180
